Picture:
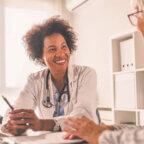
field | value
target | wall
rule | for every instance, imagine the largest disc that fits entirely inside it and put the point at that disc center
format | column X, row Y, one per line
column 1, row 44
column 53, row 6
column 95, row 21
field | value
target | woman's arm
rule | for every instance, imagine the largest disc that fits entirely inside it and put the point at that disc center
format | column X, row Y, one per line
column 85, row 129
column 26, row 101
column 123, row 136
column 104, row 134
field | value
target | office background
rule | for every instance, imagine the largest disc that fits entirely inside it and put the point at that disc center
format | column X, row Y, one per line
column 94, row 21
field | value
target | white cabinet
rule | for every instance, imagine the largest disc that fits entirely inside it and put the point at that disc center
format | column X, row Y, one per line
column 124, row 90
column 128, row 77
column 106, row 115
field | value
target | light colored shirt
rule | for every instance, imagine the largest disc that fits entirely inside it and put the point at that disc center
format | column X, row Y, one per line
column 133, row 135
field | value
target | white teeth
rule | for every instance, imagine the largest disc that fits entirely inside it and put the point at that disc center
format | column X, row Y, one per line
column 60, row 61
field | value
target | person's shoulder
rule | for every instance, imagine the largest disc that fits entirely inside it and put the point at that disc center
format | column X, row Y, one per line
column 80, row 68
column 39, row 74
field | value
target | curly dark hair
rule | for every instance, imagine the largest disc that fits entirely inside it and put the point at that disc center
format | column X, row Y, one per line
column 34, row 38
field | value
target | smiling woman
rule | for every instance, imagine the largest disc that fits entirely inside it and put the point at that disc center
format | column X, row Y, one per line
column 60, row 90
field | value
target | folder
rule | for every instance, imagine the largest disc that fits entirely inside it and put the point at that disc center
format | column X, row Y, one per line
column 127, row 55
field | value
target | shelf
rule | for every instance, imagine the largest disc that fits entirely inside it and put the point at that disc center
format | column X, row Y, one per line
column 139, row 109
column 125, row 110
column 121, row 72
column 125, row 117
column 124, row 72
column 127, row 52
column 128, row 77
column 140, row 70
column 123, row 34
column 104, row 108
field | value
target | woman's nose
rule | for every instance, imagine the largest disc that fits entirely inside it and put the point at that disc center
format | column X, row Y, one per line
column 60, row 52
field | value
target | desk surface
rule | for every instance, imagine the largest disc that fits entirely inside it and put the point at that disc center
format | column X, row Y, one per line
column 42, row 138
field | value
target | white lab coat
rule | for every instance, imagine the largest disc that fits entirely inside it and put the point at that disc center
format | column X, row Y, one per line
column 83, row 94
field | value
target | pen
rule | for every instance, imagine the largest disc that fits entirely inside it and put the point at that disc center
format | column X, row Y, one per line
column 7, row 102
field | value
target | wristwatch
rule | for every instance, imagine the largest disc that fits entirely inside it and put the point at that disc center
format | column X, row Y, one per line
column 56, row 126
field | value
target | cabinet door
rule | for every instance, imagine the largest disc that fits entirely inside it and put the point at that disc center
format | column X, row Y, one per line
column 124, row 85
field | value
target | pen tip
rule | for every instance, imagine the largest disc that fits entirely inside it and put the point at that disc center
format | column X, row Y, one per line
column 2, row 96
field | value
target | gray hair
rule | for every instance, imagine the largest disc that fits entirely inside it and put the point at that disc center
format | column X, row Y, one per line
column 137, row 4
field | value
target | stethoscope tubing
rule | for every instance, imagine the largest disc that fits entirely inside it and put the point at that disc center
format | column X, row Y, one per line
column 49, row 104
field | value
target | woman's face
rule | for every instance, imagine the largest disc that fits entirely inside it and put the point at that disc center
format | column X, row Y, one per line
column 140, row 24
column 56, row 53
column 138, row 6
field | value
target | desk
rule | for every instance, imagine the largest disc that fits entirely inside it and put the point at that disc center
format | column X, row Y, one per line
column 41, row 138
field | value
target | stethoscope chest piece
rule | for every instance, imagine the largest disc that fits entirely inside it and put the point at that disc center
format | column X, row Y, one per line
column 64, row 99
column 46, row 102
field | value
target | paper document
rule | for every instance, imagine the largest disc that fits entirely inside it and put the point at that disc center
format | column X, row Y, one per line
column 46, row 138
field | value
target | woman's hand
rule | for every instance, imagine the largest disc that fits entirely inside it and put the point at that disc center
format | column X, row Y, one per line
column 85, row 129
column 22, row 119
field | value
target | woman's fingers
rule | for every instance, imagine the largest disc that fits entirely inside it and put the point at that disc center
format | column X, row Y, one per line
column 70, row 136
column 76, row 124
column 66, row 136
column 19, row 114
column 24, row 118
column 21, row 110
column 17, row 125
column 70, row 130
column 14, row 131
column 73, row 122
column 22, row 122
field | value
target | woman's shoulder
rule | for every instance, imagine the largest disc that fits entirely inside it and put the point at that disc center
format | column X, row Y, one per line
column 39, row 74
column 83, row 73
column 82, row 69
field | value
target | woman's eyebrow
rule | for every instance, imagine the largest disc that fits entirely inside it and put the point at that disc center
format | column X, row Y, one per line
column 63, row 43
column 50, row 46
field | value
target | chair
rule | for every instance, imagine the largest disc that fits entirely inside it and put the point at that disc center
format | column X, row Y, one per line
column 98, row 115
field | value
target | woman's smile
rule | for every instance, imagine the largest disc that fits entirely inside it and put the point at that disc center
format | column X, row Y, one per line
column 60, row 62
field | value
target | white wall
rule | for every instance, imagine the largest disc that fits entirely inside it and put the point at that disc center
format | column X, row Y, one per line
column 52, row 6
column 1, row 44
column 95, row 21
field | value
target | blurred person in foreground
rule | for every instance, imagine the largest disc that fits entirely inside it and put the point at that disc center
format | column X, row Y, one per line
column 110, row 134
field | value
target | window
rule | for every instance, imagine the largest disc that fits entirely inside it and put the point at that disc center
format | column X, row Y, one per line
column 17, row 22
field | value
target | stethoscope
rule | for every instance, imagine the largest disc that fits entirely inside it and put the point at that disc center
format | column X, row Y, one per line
column 46, row 99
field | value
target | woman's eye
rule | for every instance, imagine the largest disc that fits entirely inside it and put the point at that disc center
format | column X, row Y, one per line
column 51, row 49
column 64, row 47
